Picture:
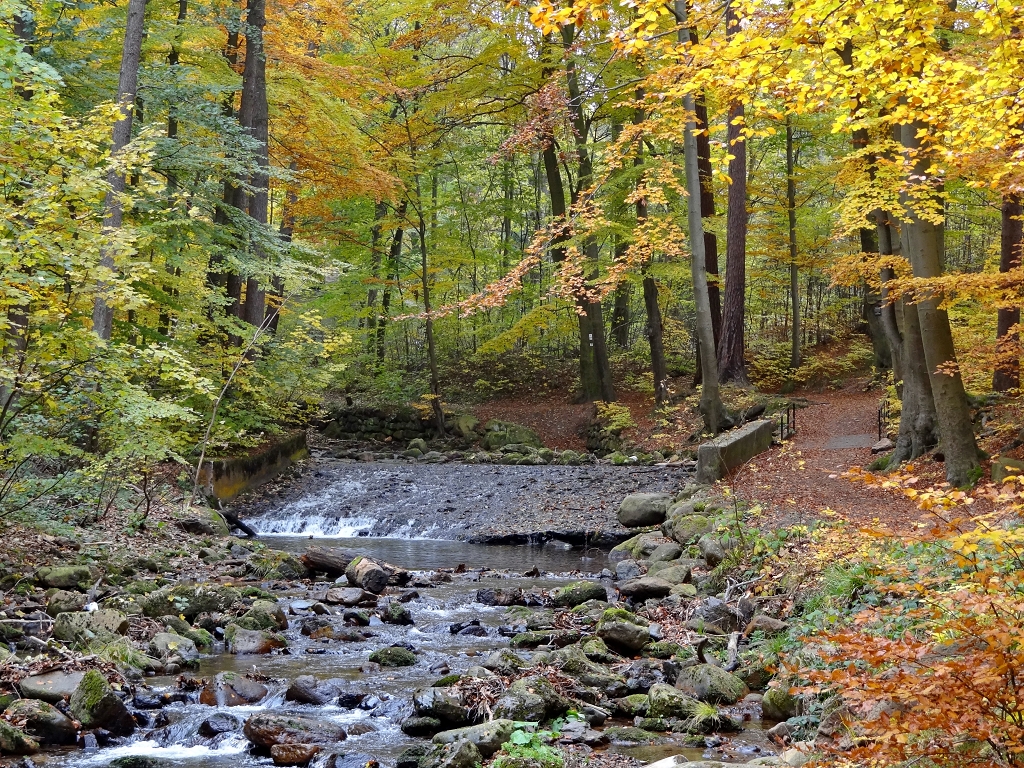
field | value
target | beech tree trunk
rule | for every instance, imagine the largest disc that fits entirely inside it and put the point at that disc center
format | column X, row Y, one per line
column 732, row 366
column 922, row 247
column 794, row 272
column 127, row 89
column 711, row 407
column 1011, row 244
column 253, row 115
column 394, row 259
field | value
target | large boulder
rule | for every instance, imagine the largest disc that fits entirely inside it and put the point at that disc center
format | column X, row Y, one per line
column 674, row 574
column 64, row 601
column 713, row 611
column 642, row 509
column 778, row 704
column 486, row 737
column 264, row 615
column 666, row 552
column 624, row 636
column 42, row 722
column 95, row 705
column 577, row 593
column 243, row 641
column 711, row 549
column 441, row 705
column 504, row 662
column 166, row 645
column 85, row 627
column 706, row 682
column 51, row 687
column 498, row 434
column 266, row 729
column 230, row 689
column 189, row 600
column 203, row 521
column 393, row 657
column 686, row 529
column 573, row 661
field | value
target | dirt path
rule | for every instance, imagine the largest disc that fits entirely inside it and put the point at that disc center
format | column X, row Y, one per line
column 796, row 481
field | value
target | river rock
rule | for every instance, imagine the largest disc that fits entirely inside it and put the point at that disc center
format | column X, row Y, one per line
column 626, row 570
column 421, row 727
column 634, row 705
column 95, row 705
column 441, row 705
column 642, row 509
column 687, row 529
column 500, row 597
column 664, row 552
column 347, row 596
column 267, row 729
column 719, row 614
column 504, row 662
column 44, row 723
column 51, row 687
column 486, row 737
column 459, row 754
column 189, row 600
column 706, row 682
column 675, row 574
column 393, row 657
column 396, row 613
column 766, row 624
column 242, row 641
column 577, row 593
column 308, row 690
column 666, row 701
column 711, row 550
column 230, row 689
column 63, row 601
column 219, row 723
column 574, row 662
column 367, row 574
column 68, row 576
column 778, row 704
column 85, row 627
column 645, row 587
column 531, row 699
column 164, row 645
column 293, row 754
column 14, row 741
column 264, row 614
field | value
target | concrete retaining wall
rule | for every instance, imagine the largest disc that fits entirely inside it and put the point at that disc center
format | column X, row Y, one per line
column 728, row 452
column 226, row 478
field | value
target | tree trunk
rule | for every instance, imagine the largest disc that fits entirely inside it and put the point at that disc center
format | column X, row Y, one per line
column 254, row 116
column 711, row 407
column 380, row 210
column 620, row 314
column 394, row 259
column 127, row 89
column 794, row 274
column 732, row 366
column 285, row 233
column 918, row 433
column 952, row 409
column 435, row 382
column 1011, row 243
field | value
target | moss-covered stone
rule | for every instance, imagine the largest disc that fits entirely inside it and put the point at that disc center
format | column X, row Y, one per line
column 630, row 735
column 95, row 705
column 445, row 681
column 15, row 742
column 578, row 592
column 393, row 657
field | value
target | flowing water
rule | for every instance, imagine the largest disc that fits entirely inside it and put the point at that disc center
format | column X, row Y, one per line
column 174, row 736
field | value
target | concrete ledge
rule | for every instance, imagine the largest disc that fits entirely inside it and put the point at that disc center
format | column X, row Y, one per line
column 719, row 457
column 226, row 478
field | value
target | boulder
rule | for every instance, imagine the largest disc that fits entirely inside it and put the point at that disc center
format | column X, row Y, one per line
column 498, row 434
column 670, row 551
column 500, row 597
column 264, row 614
column 421, row 727
column 675, row 574
column 706, row 682
column 308, row 690
column 396, row 613
column 577, row 593
column 189, row 600
column 51, row 687
column 267, row 729
column 504, row 663
column 1003, row 468
column 766, row 624
column 778, row 704
column 42, row 722
column 63, row 601
column 717, row 613
column 624, row 636
column 883, row 446
column 204, row 522
column 531, row 699
column 645, row 587
column 242, row 641
column 393, row 657
column 14, row 741
column 711, row 550
column 486, row 737
column 68, row 576
column 686, row 529
column 666, row 701
column 230, row 689
column 626, row 570
column 164, row 645
column 440, row 705
column 365, row 573
column 85, row 627
column 293, row 754
column 95, row 705
column 642, row 509
column 219, row 723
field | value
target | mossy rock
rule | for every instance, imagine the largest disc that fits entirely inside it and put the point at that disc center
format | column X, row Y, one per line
column 393, row 657
column 712, row 684
column 628, row 735
column 578, row 592
column 498, row 434
column 664, row 650
column 16, row 742
column 445, row 681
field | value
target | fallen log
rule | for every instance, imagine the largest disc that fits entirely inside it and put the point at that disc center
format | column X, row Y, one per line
column 331, row 560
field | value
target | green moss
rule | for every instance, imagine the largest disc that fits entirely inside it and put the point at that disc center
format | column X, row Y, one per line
column 202, row 639
column 259, row 594
column 445, row 681
column 91, row 690
column 620, row 614
column 393, row 657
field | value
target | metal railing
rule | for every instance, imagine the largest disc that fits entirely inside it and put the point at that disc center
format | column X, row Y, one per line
column 787, row 422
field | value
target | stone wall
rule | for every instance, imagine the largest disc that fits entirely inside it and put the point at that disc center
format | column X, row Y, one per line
column 726, row 453
column 224, row 479
column 367, row 423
